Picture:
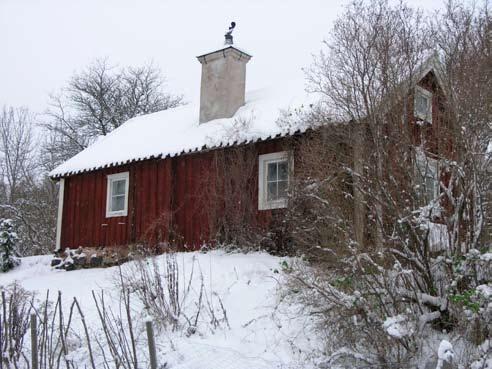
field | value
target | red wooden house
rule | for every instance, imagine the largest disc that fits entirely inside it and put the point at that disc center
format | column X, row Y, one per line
column 156, row 171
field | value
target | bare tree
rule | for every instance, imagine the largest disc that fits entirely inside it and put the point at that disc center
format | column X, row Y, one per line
column 34, row 213
column 463, row 34
column 100, row 99
column 27, row 197
column 368, row 65
column 17, row 148
column 388, row 248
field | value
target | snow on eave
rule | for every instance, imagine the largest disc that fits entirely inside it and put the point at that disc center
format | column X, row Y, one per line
column 190, row 151
column 431, row 64
column 195, row 150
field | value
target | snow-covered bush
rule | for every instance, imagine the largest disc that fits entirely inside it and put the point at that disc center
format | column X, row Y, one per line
column 15, row 308
column 166, row 292
column 8, row 245
column 387, row 210
column 377, row 315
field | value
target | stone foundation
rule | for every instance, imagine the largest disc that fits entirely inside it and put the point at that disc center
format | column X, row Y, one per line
column 104, row 257
column 90, row 257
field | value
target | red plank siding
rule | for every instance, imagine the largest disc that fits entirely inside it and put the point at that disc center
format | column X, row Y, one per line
column 166, row 194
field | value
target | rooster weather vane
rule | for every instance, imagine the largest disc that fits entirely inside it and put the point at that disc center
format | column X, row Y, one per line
column 228, row 34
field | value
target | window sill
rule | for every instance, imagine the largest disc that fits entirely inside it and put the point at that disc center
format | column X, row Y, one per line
column 273, row 205
column 117, row 214
column 421, row 121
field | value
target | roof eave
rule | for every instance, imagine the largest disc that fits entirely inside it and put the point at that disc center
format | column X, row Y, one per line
column 195, row 150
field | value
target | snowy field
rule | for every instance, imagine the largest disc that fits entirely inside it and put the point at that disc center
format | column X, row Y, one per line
column 264, row 332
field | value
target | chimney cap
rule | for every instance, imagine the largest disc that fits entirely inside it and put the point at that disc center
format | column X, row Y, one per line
column 227, row 48
column 223, row 51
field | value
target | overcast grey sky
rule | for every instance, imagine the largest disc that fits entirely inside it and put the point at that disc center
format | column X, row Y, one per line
column 44, row 42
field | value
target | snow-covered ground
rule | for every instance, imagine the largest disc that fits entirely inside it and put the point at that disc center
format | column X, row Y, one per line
column 264, row 331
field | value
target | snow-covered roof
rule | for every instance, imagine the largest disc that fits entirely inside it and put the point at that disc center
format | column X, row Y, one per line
column 176, row 131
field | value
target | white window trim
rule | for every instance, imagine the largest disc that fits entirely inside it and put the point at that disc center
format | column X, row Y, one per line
column 110, row 179
column 422, row 91
column 263, row 160
column 59, row 219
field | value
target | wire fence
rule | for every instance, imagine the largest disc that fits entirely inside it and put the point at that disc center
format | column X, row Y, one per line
column 190, row 355
column 204, row 356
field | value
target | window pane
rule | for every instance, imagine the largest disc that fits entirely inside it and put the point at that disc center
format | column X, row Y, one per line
column 272, row 172
column 421, row 103
column 283, row 171
column 272, row 191
column 118, row 203
column 282, row 189
column 431, row 187
column 119, row 187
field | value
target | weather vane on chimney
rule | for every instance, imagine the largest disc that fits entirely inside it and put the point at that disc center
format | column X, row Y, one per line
column 228, row 34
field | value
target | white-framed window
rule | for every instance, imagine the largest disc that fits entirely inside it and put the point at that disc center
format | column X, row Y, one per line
column 273, row 179
column 428, row 172
column 117, row 195
column 423, row 104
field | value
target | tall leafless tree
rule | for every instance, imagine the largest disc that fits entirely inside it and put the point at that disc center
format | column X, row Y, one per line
column 28, row 196
column 358, row 207
column 463, row 34
column 375, row 50
column 99, row 99
column 17, row 148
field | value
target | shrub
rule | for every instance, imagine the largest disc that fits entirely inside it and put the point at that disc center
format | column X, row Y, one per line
column 174, row 299
column 8, row 245
column 15, row 308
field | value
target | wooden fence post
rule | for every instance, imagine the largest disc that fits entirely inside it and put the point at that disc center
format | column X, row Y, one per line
column 151, row 343
column 34, row 342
